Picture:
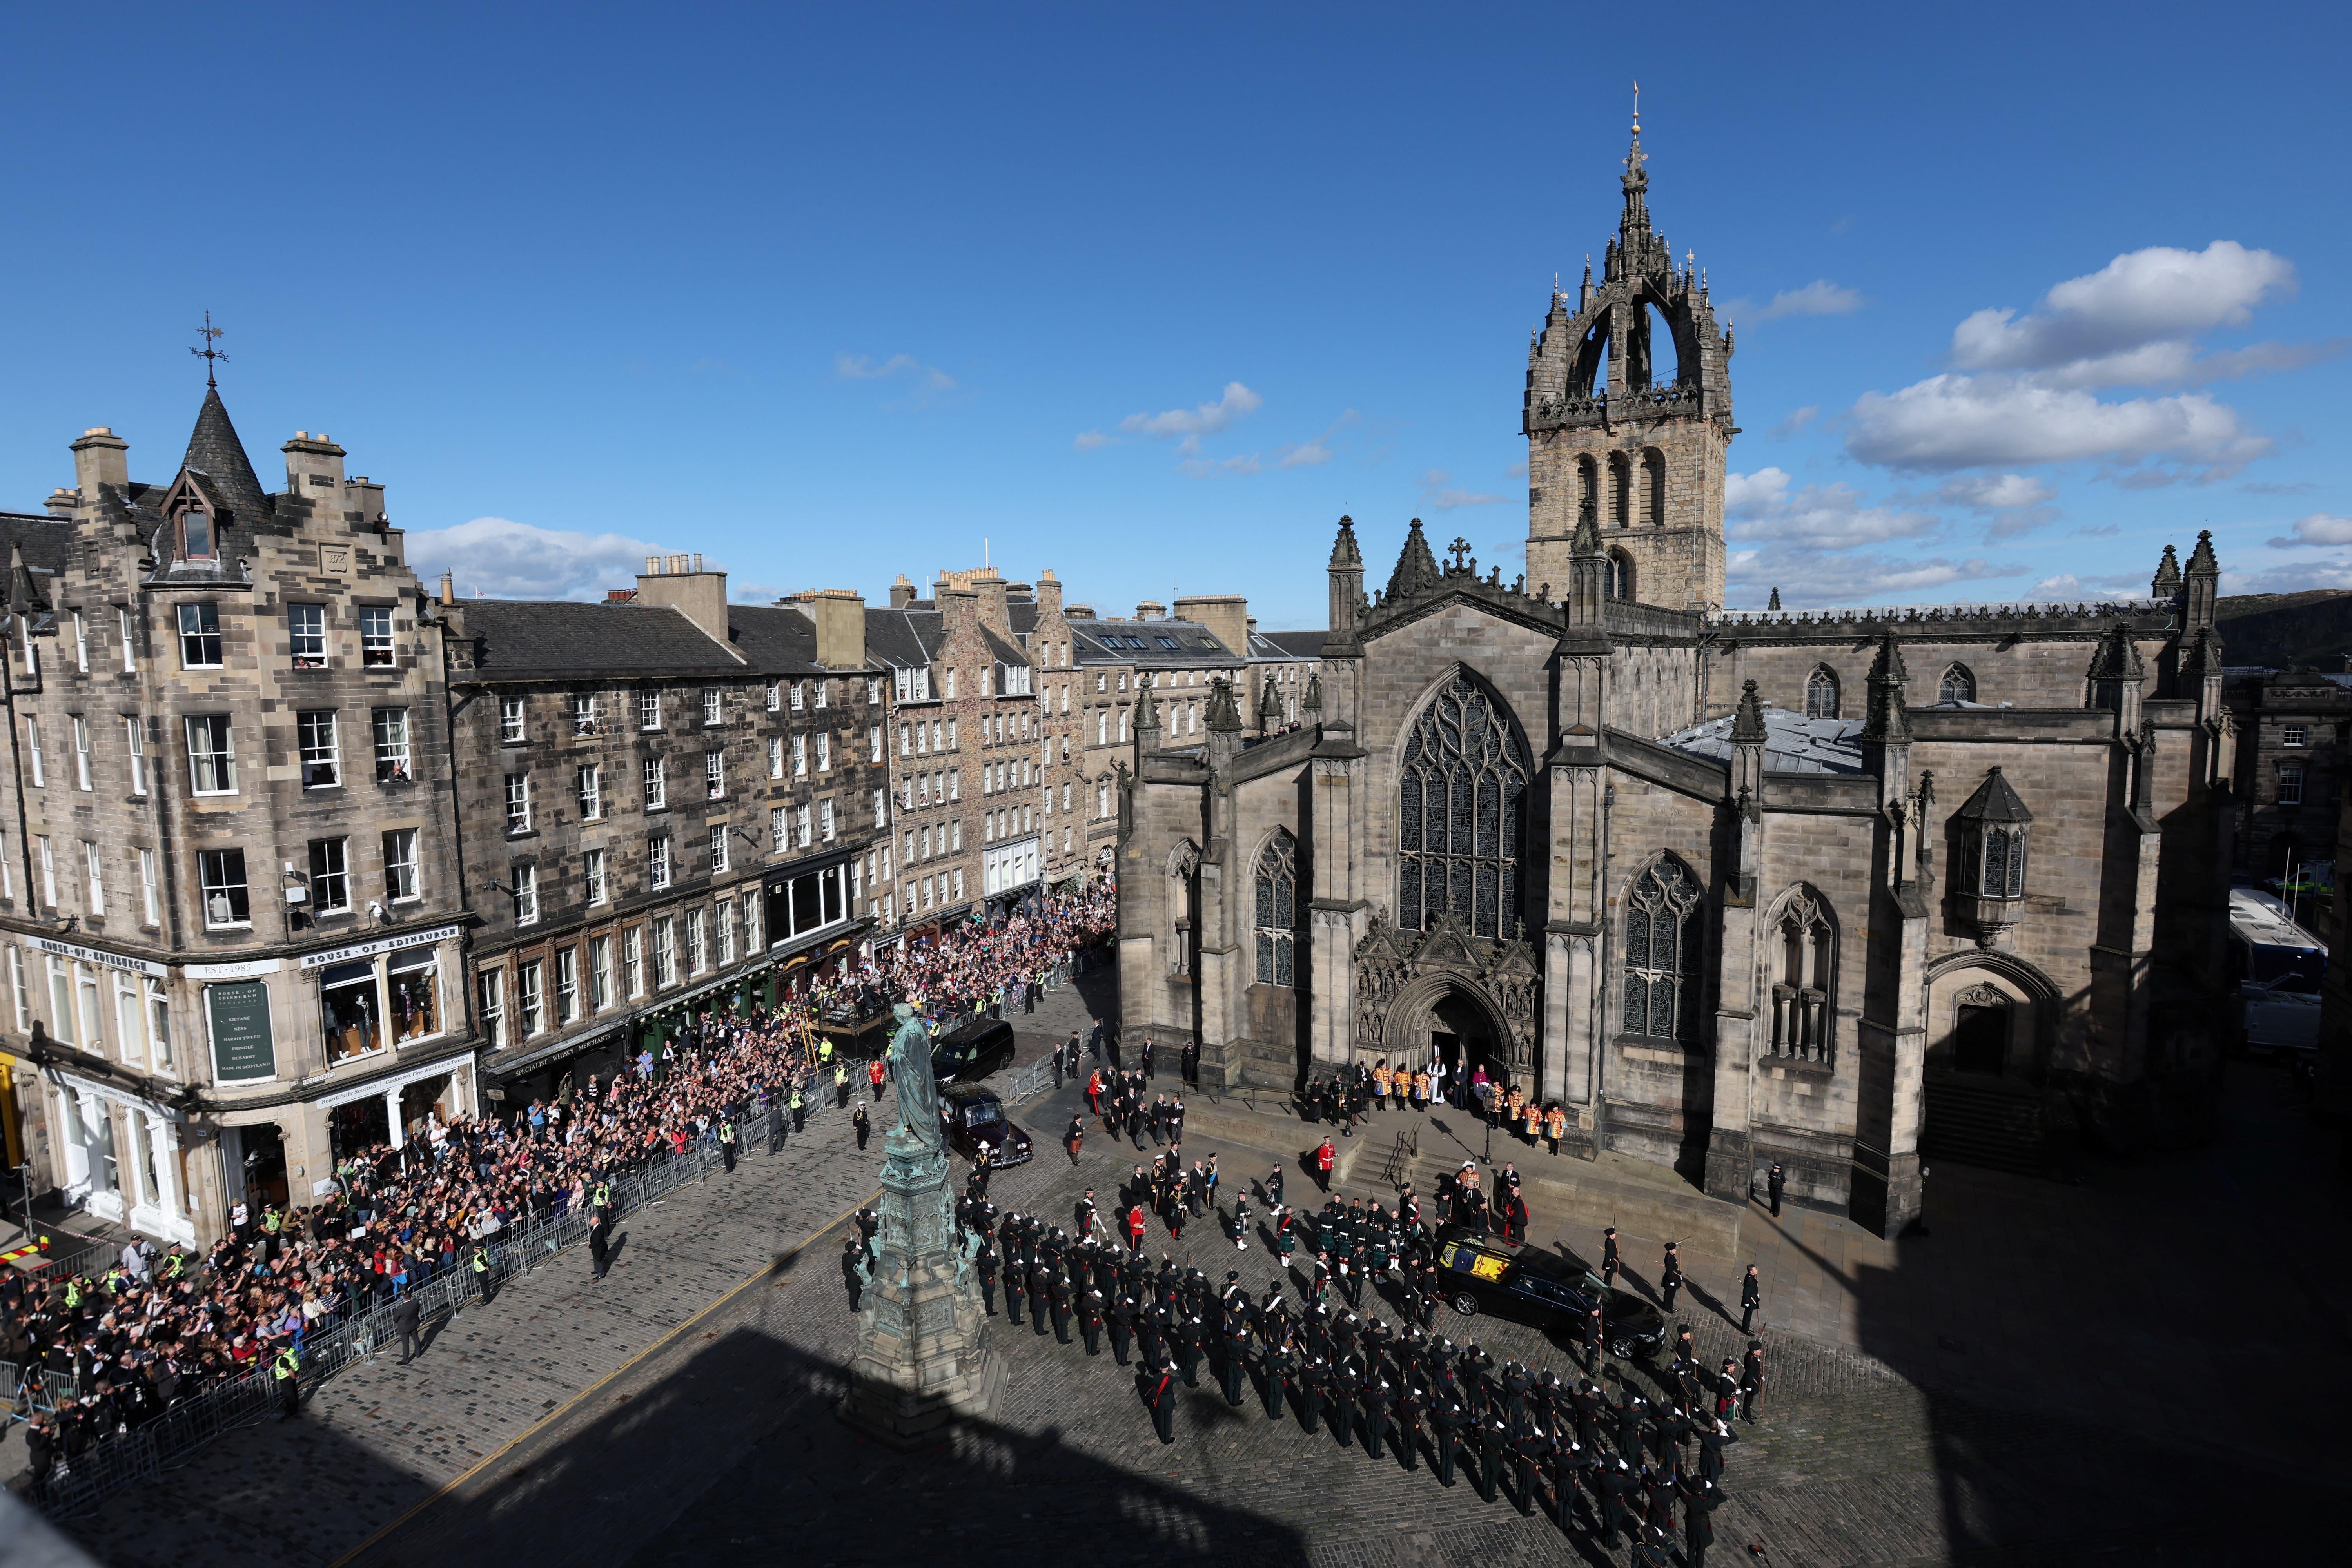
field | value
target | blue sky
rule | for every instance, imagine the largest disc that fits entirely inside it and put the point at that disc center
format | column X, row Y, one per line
column 1153, row 296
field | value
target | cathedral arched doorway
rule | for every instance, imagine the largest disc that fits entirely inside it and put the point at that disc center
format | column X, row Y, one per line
column 1449, row 1020
column 1463, row 1038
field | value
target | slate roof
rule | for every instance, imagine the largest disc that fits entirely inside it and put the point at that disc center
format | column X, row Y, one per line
column 215, row 452
column 1196, row 645
column 43, row 538
column 1288, row 645
column 777, row 640
column 902, row 639
column 517, row 638
column 1792, row 742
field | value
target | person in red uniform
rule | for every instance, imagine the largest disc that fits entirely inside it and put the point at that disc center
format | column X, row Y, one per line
column 1324, row 1158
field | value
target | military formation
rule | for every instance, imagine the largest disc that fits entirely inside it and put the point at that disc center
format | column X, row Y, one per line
column 1610, row 1466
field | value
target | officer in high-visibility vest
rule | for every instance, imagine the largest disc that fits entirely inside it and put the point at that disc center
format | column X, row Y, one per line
column 799, row 1111
column 726, row 1142
column 288, row 1370
column 840, row 1085
column 483, row 1279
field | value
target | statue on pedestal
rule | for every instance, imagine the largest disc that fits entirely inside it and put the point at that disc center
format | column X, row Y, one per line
column 922, row 1359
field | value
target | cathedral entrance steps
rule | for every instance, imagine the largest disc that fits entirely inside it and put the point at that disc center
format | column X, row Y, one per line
column 1582, row 1196
column 1984, row 1122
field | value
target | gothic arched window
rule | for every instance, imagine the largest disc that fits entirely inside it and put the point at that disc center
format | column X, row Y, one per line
column 1804, row 960
column 1821, row 694
column 1620, row 489
column 1957, row 686
column 1653, row 478
column 1278, row 911
column 1664, row 953
column 1620, row 584
column 1461, row 802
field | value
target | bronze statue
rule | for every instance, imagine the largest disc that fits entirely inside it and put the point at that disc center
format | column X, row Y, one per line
column 910, row 1071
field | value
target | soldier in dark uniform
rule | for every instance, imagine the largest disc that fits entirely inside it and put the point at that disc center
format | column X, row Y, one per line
column 1774, row 1180
column 1411, row 1399
column 1713, row 1438
column 1610, row 1262
column 1446, row 1420
column 1629, row 1423
column 1652, row 1548
column 1670, row 1276
column 1494, row 1443
column 1159, row 1391
column 1700, row 1499
column 1751, row 1300
column 852, row 1270
column 1751, row 1380
column 1530, row 1449
column 1236, row 1348
column 1122, row 1326
column 1617, row 1485
column 1091, row 1309
column 1379, row 1398
column 1061, row 1297
column 1347, row 1382
column 1314, row 1392
column 1187, row 1349
column 1151, row 1333
column 1016, row 1281
column 1569, row 1463
column 1281, row 1365
column 985, row 1261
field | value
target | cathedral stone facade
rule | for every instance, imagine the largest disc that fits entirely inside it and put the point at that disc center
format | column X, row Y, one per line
column 1841, row 889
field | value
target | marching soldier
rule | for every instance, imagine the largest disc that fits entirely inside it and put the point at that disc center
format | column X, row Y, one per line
column 1161, row 1391
column 1315, row 1390
column 1379, row 1397
column 1281, row 1367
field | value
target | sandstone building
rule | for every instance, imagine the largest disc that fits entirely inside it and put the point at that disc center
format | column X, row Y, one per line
column 1834, row 887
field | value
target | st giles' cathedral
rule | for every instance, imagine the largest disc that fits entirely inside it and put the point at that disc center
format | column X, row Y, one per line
column 1831, row 888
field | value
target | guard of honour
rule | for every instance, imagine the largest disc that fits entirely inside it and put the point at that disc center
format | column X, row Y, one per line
column 1623, row 1466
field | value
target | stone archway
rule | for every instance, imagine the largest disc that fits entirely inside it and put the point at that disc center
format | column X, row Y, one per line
column 1422, row 994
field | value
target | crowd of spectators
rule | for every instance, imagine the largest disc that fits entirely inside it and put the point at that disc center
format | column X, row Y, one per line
column 155, row 1328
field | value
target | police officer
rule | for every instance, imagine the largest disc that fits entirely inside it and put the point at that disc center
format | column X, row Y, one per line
column 485, row 1279
column 286, row 1367
column 726, row 1142
column 861, row 1124
column 1774, row 1180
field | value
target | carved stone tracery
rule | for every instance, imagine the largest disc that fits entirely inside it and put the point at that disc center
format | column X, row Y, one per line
column 1394, row 966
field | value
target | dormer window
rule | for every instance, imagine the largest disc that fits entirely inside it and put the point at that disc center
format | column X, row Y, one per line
column 196, row 534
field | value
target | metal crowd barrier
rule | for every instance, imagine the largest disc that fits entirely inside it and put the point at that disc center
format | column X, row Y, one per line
column 77, row 1487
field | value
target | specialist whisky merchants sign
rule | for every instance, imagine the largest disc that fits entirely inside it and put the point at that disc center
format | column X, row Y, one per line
column 243, row 1047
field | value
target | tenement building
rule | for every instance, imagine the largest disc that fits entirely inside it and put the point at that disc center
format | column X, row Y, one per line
column 2294, row 734
column 1835, row 887
column 231, row 897
column 298, row 859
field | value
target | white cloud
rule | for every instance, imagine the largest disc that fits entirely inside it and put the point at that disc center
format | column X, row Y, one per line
column 2022, row 389
column 2070, row 588
column 929, row 380
column 1305, row 455
column 1988, row 491
column 1217, row 468
column 1439, row 493
column 1819, row 298
column 2295, row 579
column 1091, row 440
column 2319, row 527
column 1236, row 403
column 1949, row 422
column 506, row 559
column 1795, row 422
column 1814, row 580
column 2138, row 315
column 1762, row 507
column 2063, row 585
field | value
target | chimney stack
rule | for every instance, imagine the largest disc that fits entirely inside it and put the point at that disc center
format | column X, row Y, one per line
column 680, row 583
column 1049, row 593
column 448, row 589
column 99, row 459
column 1225, row 615
column 902, row 593
column 839, row 616
column 1150, row 610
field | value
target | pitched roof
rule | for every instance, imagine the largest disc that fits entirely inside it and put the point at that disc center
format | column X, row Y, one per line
column 1792, row 742
column 515, row 638
column 1167, row 642
column 777, row 639
column 214, row 451
column 1291, row 644
column 902, row 638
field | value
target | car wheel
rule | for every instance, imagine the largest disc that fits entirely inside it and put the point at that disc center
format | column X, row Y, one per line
column 1622, row 1349
column 1467, row 1304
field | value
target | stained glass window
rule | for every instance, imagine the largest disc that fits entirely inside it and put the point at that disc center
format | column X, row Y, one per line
column 1461, row 812
column 1277, row 911
column 1664, row 955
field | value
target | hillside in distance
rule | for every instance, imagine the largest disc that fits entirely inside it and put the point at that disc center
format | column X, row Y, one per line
column 2283, row 630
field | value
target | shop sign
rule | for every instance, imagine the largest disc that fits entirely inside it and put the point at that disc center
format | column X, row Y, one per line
column 243, row 1046
column 381, row 944
column 98, row 956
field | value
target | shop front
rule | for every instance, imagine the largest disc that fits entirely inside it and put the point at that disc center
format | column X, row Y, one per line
column 397, row 1109
column 124, row 1158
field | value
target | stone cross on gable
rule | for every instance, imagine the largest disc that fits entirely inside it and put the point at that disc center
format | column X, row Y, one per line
column 1458, row 549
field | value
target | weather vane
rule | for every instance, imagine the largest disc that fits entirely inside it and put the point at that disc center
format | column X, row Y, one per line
column 209, row 332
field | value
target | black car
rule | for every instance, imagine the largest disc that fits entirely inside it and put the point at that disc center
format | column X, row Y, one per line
column 971, row 1049
column 1548, row 1289
column 971, row 1116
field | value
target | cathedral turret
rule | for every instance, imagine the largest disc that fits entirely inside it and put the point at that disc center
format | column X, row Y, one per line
column 1347, row 571
column 2167, row 576
column 2202, row 583
column 1628, row 407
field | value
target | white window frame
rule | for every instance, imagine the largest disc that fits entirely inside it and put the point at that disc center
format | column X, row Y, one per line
column 526, row 888
column 309, row 754
column 388, row 736
column 134, row 748
column 633, row 960
column 514, row 726
column 518, row 805
column 222, row 761
column 719, row 848
column 94, row 865
column 316, row 615
column 33, row 751
column 659, row 867
column 588, row 789
column 130, row 647
column 81, row 753
column 600, row 972
column 150, row 903
column 657, row 783
column 593, row 876
column 400, row 865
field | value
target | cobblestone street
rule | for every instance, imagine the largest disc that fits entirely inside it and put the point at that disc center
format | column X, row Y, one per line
column 2056, row 1429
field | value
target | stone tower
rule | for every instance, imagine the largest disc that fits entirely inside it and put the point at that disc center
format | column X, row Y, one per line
column 1628, row 415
